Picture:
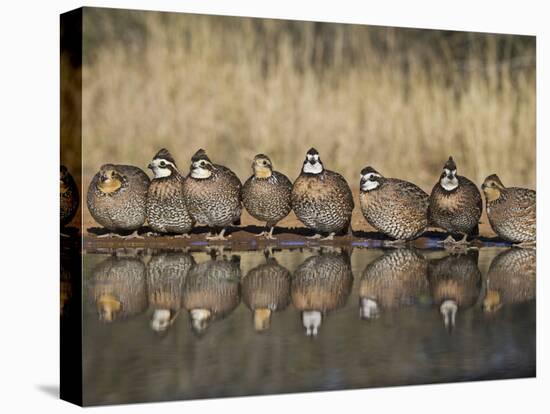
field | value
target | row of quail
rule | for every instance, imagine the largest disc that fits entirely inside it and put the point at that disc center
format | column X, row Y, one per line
column 212, row 195
column 122, row 198
column 403, row 211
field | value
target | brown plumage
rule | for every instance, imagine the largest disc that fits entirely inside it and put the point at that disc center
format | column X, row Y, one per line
column 166, row 207
column 117, row 288
column 321, row 198
column 512, row 211
column 266, row 289
column 455, row 282
column 511, row 278
column 397, row 278
column 166, row 274
column 69, row 196
column 321, row 284
column 394, row 207
column 211, row 291
column 212, row 193
column 117, row 197
column 267, row 193
column 455, row 202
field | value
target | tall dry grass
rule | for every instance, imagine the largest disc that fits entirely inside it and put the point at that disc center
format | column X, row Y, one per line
column 360, row 95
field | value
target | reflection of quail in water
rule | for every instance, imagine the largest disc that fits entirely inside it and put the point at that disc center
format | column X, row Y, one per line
column 117, row 197
column 213, row 194
column 455, row 282
column 69, row 197
column 166, row 273
column 398, row 278
column 455, row 204
column 266, row 289
column 321, row 284
column 511, row 278
column 166, row 207
column 66, row 282
column 512, row 211
column 321, row 198
column 118, row 288
column 211, row 291
column 394, row 207
column 266, row 194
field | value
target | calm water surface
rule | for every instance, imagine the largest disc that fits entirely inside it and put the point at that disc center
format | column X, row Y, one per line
column 165, row 325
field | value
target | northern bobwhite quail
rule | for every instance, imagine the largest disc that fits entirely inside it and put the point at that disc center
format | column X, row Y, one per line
column 69, row 196
column 266, row 289
column 512, row 211
column 117, row 288
column 320, row 285
column 394, row 207
column 397, row 278
column 321, row 198
column 211, row 291
column 455, row 204
column 166, row 207
column 166, row 274
column 117, row 197
column 266, row 194
column 511, row 278
column 455, row 283
column 213, row 194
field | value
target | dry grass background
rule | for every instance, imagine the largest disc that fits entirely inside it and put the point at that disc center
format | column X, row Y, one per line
column 401, row 100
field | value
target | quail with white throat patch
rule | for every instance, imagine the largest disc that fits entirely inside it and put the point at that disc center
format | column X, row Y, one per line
column 166, row 274
column 392, row 280
column 213, row 194
column 321, row 198
column 394, row 207
column 455, row 204
column 266, row 194
column 211, row 291
column 320, row 285
column 455, row 283
column 512, row 211
column 166, row 207
column 117, row 198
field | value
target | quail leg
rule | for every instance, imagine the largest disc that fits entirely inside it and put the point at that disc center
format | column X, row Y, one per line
column 267, row 234
column 219, row 236
column 314, row 237
column 182, row 236
column 395, row 242
column 109, row 235
column 450, row 240
column 134, row 235
column 329, row 237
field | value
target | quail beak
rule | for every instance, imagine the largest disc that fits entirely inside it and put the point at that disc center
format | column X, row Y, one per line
column 483, row 186
column 150, row 166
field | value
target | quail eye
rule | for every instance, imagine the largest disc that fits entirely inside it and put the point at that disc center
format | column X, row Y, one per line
column 162, row 164
column 202, row 163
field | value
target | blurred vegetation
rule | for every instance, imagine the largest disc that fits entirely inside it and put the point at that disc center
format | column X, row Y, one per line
column 401, row 100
